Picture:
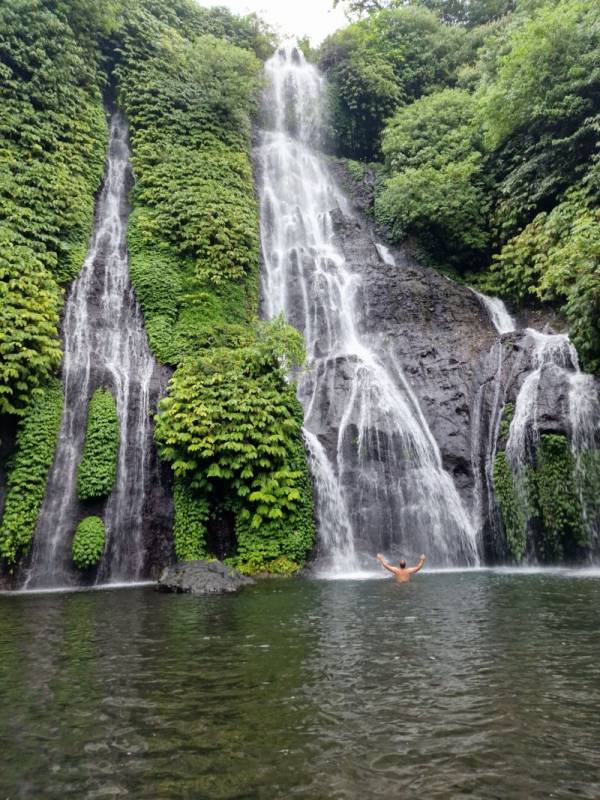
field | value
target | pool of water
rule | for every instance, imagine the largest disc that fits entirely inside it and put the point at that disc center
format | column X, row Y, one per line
column 461, row 684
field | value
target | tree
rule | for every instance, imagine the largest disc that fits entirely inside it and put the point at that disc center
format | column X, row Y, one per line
column 435, row 187
column 381, row 62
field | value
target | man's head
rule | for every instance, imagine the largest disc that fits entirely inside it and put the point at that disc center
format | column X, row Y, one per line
column 402, row 564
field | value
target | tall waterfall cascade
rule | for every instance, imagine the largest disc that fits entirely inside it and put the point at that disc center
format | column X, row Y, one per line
column 105, row 346
column 377, row 469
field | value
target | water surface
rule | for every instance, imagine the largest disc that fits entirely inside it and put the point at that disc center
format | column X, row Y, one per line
column 465, row 684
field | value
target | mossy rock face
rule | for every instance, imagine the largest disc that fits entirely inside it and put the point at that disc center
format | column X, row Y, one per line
column 88, row 543
column 558, row 503
column 512, row 507
column 541, row 509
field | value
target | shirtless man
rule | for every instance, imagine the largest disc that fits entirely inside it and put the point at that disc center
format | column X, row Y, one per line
column 402, row 573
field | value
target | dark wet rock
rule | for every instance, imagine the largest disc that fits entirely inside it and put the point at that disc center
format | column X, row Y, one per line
column 202, row 577
column 434, row 330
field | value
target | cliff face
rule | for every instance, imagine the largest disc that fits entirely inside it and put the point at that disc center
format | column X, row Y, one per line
column 461, row 370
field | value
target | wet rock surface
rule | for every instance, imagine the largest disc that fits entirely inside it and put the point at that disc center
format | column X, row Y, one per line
column 462, row 373
column 434, row 330
column 202, row 577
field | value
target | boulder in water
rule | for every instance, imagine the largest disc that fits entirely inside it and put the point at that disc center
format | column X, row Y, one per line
column 202, row 577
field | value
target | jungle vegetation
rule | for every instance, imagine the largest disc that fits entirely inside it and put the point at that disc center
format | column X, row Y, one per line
column 480, row 120
column 188, row 80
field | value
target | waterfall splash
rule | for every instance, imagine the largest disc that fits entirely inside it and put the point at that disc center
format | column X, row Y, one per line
column 377, row 469
column 105, row 345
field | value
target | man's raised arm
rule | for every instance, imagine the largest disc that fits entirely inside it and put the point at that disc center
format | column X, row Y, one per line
column 419, row 566
column 385, row 564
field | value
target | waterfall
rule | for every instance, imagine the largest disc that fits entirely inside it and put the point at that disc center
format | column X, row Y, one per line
column 551, row 360
column 549, row 350
column 377, row 469
column 385, row 255
column 497, row 312
column 105, row 345
column 556, row 352
column 487, row 412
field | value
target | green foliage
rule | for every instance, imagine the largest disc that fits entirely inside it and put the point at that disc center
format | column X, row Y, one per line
column 503, row 169
column 435, row 189
column 193, row 236
column 88, row 543
column 204, row 202
column 512, row 505
column 52, row 141
column 508, row 413
column 29, row 313
column 557, row 257
column 98, row 467
column 455, row 12
column 546, row 499
column 36, row 442
column 148, row 21
column 558, row 501
column 387, row 59
column 231, row 421
column 434, row 131
column 191, row 515
column 550, row 72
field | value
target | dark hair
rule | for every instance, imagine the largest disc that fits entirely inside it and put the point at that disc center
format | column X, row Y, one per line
column 402, row 563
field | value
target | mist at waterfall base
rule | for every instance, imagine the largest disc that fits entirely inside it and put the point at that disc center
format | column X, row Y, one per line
column 376, row 467
column 471, row 684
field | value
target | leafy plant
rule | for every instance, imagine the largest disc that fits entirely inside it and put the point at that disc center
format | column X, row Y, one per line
column 52, row 141
column 508, row 413
column 191, row 515
column 231, row 422
column 36, row 442
column 88, row 543
column 98, row 466
column 512, row 505
column 557, row 496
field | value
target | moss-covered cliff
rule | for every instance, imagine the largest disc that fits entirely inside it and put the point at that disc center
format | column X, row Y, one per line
column 188, row 80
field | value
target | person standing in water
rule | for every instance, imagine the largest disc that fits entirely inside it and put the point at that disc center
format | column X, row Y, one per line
column 401, row 573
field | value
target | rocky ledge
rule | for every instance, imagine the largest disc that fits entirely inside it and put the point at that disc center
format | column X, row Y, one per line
column 202, row 577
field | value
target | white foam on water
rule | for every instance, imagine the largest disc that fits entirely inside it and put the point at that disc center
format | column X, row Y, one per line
column 101, row 587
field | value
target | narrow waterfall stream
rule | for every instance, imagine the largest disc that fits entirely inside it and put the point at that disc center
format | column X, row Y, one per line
column 490, row 398
column 376, row 466
column 105, row 345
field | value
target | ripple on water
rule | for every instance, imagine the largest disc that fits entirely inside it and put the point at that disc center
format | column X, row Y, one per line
column 482, row 684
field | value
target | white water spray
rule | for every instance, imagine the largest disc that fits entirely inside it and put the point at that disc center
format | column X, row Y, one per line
column 377, row 469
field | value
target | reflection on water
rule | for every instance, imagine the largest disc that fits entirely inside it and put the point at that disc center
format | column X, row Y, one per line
column 472, row 684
